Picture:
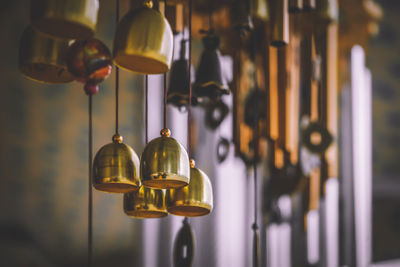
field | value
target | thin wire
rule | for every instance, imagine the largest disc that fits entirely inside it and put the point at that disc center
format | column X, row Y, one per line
column 189, row 124
column 90, row 190
column 117, row 79
column 146, row 109
column 165, row 100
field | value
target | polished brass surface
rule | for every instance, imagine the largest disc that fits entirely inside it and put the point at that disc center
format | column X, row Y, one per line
column 42, row 58
column 143, row 42
column 279, row 23
column 195, row 199
column 116, row 168
column 70, row 19
column 145, row 203
column 164, row 163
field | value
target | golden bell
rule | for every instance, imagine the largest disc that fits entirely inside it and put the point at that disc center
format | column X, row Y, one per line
column 164, row 163
column 145, row 203
column 116, row 168
column 143, row 42
column 195, row 199
column 69, row 19
column 279, row 23
column 43, row 59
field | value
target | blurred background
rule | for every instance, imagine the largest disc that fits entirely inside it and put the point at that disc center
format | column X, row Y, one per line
column 43, row 168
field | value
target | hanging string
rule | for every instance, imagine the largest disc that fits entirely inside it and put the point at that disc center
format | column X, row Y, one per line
column 165, row 85
column 255, row 149
column 117, row 79
column 189, row 122
column 146, row 109
column 90, row 190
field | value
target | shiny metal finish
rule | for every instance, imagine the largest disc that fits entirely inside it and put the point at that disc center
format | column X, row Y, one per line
column 116, row 168
column 143, row 42
column 42, row 58
column 69, row 19
column 279, row 23
column 164, row 163
column 145, row 203
column 195, row 199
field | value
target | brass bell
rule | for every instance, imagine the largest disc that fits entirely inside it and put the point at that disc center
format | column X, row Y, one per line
column 143, row 42
column 195, row 199
column 116, row 168
column 178, row 87
column 42, row 58
column 69, row 19
column 209, row 81
column 145, row 203
column 279, row 23
column 164, row 163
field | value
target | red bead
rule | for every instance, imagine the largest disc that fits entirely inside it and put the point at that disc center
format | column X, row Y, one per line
column 91, row 89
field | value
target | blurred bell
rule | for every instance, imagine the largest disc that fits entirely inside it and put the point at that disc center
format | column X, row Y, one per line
column 209, row 81
column 116, row 168
column 240, row 16
column 164, row 163
column 70, row 19
column 184, row 246
column 145, row 203
column 42, row 58
column 178, row 89
column 279, row 23
column 295, row 6
column 195, row 199
column 143, row 42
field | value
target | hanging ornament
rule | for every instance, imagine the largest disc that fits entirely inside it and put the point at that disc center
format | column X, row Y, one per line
column 145, row 203
column 89, row 61
column 316, row 138
column 209, row 81
column 195, row 199
column 144, row 42
column 42, row 58
column 216, row 112
column 183, row 248
column 279, row 23
column 69, row 19
column 178, row 89
column 164, row 163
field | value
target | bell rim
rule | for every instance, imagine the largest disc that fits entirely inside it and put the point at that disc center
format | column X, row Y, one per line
column 116, row 186
column 162, row 65
column 173, row 182
column 146, row 214
column 25, row 66
column 189, row 208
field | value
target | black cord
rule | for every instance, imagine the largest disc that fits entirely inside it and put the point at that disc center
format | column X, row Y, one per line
column 117, row 80
column 189, row 124
column 146, row 109
column 90, row 190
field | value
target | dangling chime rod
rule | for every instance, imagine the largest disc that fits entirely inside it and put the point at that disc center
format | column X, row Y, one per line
column 90, row 189
column 117, row 79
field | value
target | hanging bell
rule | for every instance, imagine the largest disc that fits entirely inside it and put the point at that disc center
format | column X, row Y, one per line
column 116, row 168
column 164, row 163
column 178, row 88
column 145, row 203
column 195, row 199
column 209, row 81
column 279, row 23
column 69, row 19
column 184, row 246
column 143, row 42
column 42, row 58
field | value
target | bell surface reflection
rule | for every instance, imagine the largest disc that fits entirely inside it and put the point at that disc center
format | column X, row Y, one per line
column 145, row 203
column 143, row 42
column 195, row 199
column 116, row 168
column 164, row 163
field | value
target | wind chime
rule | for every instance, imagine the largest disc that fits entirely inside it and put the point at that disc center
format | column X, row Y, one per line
column 163, row 180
